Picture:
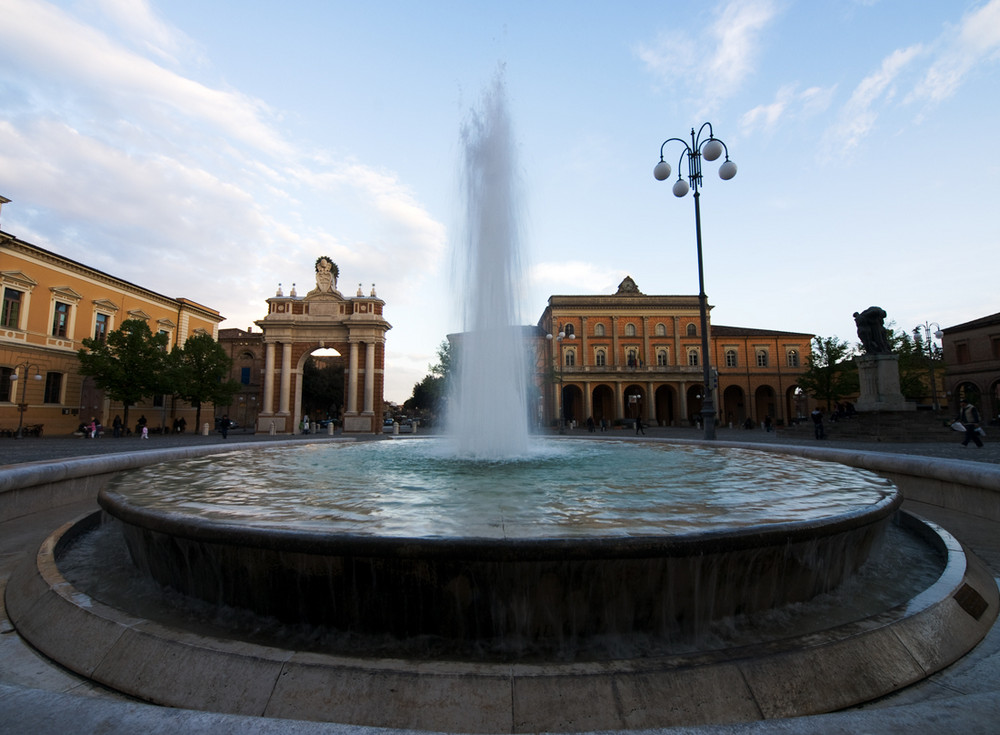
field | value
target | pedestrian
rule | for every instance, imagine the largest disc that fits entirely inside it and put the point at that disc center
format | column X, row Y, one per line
column 224, row 425
column 768, row 426
column 92, row 427
column 145, row 432
column 116, row 426
column 638, row 426
column 590, row 424
column 817, row 419
column 968, row 416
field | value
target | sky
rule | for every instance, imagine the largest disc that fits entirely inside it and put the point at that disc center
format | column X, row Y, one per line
column 212, row 149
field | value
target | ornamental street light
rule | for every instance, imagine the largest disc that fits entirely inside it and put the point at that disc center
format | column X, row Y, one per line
column 557, row 356
column 22, row 406
column 710, row 148
column 938, row 334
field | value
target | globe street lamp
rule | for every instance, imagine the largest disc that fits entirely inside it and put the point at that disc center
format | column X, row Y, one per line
column 557, row 356
column 710, row 148
column 22, row 406
column 938, row 334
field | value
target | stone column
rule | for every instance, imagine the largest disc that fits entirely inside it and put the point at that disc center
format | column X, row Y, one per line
column 286, row 378
column 352, row 380
column 370, row 378
column 268, row 378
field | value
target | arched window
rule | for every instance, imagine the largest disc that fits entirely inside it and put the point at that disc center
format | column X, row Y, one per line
column 692, row 357
column 661, row 330
column 568, row 330
column 793, row 358
column 661, row 358
column 629, row 330
column 570, row 358
column 731, row 360
column 761, row 358
column 692, row 330
column 601, row 358
column 633, row 358
column 598, row 330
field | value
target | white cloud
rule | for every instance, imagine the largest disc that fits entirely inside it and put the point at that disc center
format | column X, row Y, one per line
column 713, row 66
column 976, row 40
column 857, row 118
column 789, row 102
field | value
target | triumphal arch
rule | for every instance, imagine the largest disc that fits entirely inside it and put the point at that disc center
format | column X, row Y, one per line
column 323, row 319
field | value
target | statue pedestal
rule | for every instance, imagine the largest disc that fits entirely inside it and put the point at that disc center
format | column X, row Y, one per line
column 879, row 377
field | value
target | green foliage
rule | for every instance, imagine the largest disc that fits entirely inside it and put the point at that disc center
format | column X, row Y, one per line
column 430, row 394
column 322, row 388
column 129, row 365
column 199, row 372
column 916, row 358
column 830, row 373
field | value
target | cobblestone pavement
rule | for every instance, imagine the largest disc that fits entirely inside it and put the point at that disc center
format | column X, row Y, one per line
column 30, row 449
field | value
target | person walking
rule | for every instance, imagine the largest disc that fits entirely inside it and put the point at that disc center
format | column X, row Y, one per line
column 968, row 415
column 224, row 425
column 638, row 426
column 817, row 419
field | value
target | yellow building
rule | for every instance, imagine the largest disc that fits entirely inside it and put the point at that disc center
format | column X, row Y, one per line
column 625, row 355
column 50, row 304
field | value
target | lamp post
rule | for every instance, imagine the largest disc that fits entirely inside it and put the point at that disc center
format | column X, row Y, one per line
column 938, row 334
column 558, row 360
column 710, row 148
column 22, row 406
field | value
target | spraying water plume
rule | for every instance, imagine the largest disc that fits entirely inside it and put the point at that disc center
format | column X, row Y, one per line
column 488, row 417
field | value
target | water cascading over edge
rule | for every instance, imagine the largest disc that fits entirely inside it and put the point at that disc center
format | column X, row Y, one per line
column 488, row 417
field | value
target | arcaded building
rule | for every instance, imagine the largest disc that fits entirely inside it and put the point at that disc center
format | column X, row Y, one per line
column 972, row 354
column 628, row 354
column 50, row 305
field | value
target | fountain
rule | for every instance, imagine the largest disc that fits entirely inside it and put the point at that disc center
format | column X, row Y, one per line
column 488, row 412
column 506, row 584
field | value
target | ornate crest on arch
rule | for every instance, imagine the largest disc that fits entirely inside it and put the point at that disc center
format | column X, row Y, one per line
column 327, row 273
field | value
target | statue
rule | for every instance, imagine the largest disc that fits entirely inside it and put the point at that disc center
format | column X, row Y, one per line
column 326, row 275
column 874, row 338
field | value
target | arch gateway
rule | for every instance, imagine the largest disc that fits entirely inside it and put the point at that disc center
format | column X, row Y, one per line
column 323, row 319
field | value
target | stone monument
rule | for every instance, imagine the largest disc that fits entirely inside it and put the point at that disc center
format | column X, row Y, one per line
column 878, row 367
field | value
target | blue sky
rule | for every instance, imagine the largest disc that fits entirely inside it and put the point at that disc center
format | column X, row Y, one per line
column 144, row 138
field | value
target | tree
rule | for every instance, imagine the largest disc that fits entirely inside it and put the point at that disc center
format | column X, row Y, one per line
column 198, row 373
column 322, row 388
column 916, row 360
column 830, row 373
column 129, row 365
column 430, row 394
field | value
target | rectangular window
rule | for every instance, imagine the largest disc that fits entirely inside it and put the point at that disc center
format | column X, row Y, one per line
column 245, row 375
column 53, row 387
column 11, row 315
column 962, row 352
column 6, row 384
column 60, row 321
column 101, row 327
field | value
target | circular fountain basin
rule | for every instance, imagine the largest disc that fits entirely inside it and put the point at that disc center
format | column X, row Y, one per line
column 547, row 552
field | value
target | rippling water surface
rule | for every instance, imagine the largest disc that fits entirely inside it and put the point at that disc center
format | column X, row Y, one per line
column 417, row 488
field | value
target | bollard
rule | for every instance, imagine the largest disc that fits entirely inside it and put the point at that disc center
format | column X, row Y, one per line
column 395, row 428
column 204, row 429
column 329, row 429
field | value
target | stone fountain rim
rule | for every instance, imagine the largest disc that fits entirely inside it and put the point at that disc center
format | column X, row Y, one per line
column 144, row 658
column 311, row 541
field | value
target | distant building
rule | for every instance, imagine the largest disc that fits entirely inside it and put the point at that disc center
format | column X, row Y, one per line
column 50, row 304
column 246, row 350
column 972, row 354
column 615, row 357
